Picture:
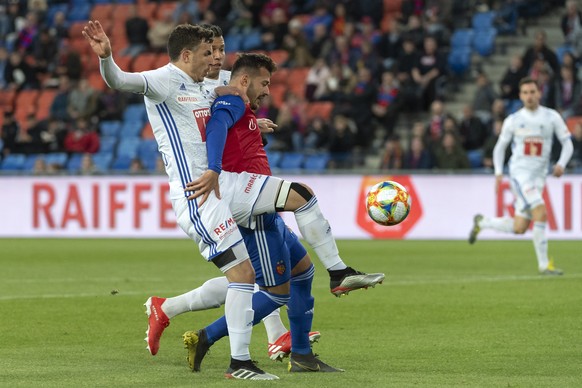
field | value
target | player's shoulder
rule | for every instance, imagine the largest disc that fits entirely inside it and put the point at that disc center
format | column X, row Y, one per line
column 224, row 77
column 550, row 112
column 228, row 101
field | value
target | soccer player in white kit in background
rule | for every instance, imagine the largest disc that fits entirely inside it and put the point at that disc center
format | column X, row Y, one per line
column 530, row 130
column 178, row 111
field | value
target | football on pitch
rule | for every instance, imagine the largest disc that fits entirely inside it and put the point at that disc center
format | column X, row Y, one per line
column 388, row 203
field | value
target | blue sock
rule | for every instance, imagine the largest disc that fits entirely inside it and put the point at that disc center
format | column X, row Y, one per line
column 300, row 311
column 264, row 304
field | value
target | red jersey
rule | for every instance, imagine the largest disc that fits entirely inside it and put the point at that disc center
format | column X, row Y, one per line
column 244, row 150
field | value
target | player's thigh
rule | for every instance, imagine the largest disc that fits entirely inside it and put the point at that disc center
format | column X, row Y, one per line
column 528, row 195
column 268, row 252
column 213, row 228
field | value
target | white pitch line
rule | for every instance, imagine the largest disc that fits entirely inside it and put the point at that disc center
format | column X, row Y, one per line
column 388, row 282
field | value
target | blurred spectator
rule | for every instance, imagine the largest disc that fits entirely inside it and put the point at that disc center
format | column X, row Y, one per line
column 510, row 82
column 50, row 135
column 82, row 100
column 274, row 28
column 450, row 155
column 60, row 27
column 10, row 131
column 387, row 104
column 472, row 131
column 81, row 138
column 110, row 104
column 282, row 138
column 547, row 88
column 69, row 62
column 316, row 81
column 316, row 136
column 39, row 167
column 27, row 35
column 136, row 166
column 266, row 109
column 59, row 107
column 340, row 18
column 572, row 25
column 136, row 30
column 341, row 143
column 339, row 83
column 18, row 74
column 417, row 157
column 484, row 97
column 44, row 51
column 490, row 144
column 498, row 110
column 576, row 160
column 389, row 46
column 568, row 93
column 415, row 31
column 87, row 165
column 3, row 64
column 186, row 9
column 409, row 90
column 393, row 155
column 428, row 68
column 539, row 49
column 296, row 46
column 321, row 45
column 39, row 8
column 160, row 166
column 369, row 59
column 341, row 53
column 436, row 125
column 320, row 15
column 160, row 31
column 360, row 102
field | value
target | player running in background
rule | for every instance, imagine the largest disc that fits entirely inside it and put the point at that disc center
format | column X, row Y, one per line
column 530, row 130
column 177, row 108
column 211, row 293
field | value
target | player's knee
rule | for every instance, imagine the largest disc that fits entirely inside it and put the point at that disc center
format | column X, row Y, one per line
column 519, row 229
column 302, row 266
column 292, row 196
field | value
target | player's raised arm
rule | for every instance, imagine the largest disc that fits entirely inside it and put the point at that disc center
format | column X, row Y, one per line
column 111, row 73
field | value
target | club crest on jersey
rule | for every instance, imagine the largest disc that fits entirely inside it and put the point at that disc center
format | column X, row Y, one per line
column 186, row 99
column 253, row 124
column 280, row 268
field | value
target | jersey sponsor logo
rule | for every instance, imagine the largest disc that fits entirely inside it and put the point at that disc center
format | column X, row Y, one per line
column 253, row 125
column 202, row 116
column 532, row 146
column 250, row 183
column 222, row 102
column 186, row 99
column 182, row 87
column 225, row 228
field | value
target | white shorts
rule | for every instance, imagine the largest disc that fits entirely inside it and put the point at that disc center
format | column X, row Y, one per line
column 213, row 226
column 528, row 194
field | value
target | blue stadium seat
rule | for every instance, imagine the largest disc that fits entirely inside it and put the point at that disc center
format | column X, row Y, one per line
column 291, row 161
column 31, row 161
column 274, row 158
column 233, row 43
column 52, row 10
column 475, row 158
column 316, row 162
column 121, row 163
column 459, row 61
column 252, row 41
column 110, row 128
column 483, row 20
column 58, row 158
column 102, row 162
column 135, row 112
column 131, row 129
column 462, row 37
column 79, row 12
column 107, row 145
column 74, row 163
column 484, row 42
column 13, row 162
column 562, row 50
column 128, row 147
column 148, row 148
column 513, row 106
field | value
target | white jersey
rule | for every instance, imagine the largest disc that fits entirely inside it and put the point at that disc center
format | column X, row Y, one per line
column 211, row 84
column 531, row 136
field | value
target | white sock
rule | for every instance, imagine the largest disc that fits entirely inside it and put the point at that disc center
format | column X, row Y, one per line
column 540, row 242
column 274, row 326
column 500, row 224
column 211, row 294
column 239, row 314
column 317, row 232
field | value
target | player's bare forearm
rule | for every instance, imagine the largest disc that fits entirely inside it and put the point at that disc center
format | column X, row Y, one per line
column 203, row 186
column 97, row 38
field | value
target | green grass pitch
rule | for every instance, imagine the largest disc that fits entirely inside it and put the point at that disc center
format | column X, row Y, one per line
column 448, row 314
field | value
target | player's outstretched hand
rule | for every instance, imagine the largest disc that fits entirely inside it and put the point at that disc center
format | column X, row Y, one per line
column 266, row 125
column 558, row 170
column 203, row 186
column 97, row 38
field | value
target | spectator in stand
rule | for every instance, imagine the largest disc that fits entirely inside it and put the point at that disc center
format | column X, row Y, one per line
column 81, row 138
column 340, row 18
column 417, row 157
column 339, row 83
column 59, row 107
column 316, row 136
column 274, row 27
column 12, row 23
column 44, row 51
column 387, row 105
column 490, row 145
column 39, row 167
column 160, row 31
column 60, row 27
column 136, row 30
column 360, row 102
column 473, row 131
column 136, row 166
column 51, row 135
column 484, row 97
column 282, row 139
column 3, row 64
column 510, row 83
column 389, row 46
column 33, row 137
column 316, row 81
column 547, row 87
column 321, row 45
column 341, row 144
column 498, row 110
column 568, row 93
column 296, row 46
column 572, row 25
column 266, row 109
column 39, row 8
column 369, row 59
column 414, row 30
column 409, row 89
column 82, row 100
column 569, row 60
column 428, row 68
column 69, row 62
column 392, row 155
column 320, row 15
column 186, row 9
column 27, row 34
column 87, row 165
column 540, row 49
column 10, row 131
column 160, row 166
column 436, row 125
column 450, row 155
column 576, row 160
column 18, row 74
column 110, row 104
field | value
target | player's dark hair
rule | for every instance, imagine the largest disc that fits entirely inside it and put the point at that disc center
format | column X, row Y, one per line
column 527, row 80
column 253, row 62
column 187, row 37
column 214, row 28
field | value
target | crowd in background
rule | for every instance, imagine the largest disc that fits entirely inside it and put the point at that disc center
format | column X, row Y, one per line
column 372, row 64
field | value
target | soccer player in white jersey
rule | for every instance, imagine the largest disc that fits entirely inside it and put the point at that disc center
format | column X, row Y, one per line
column 530, row 130
column 178, row 110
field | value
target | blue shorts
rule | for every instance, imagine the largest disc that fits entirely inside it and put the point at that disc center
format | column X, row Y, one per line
column 274, row 250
